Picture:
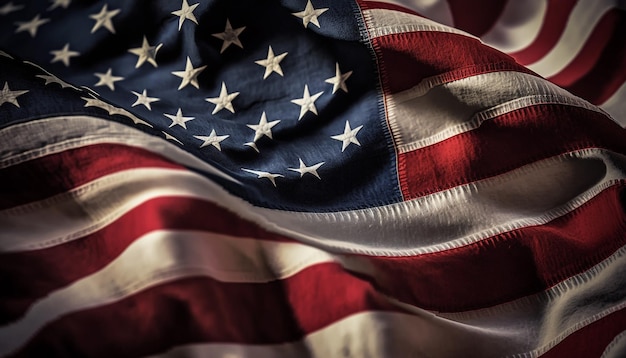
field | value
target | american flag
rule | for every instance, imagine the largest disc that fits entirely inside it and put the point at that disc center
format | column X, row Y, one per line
column 312, row 178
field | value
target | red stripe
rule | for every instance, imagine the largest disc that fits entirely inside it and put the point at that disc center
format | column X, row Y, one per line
column 552, row 28
column 591, row 340
column 404, row 65
column 60, row 172
column 507, row 266
column 205, row 310
column 52, row 268
column 599, row 83
column 473, row 18
column 504, row 143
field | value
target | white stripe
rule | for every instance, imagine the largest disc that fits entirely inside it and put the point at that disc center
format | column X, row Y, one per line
column 23, row 142
column 382, row 22
column 617, row 347
column 160, row 257
column 616, row 105
column 539, row 322
column 89, row 208
column 518, row 25
column 583, row 20
column 433, row 111
column 436, row 10
column 531, row 195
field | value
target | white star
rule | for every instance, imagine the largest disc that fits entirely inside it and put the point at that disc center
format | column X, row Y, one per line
column 230, row 36
column 252, row 145
column 31, row 26
column 348, row 136
column 272, row 63
column 107, row 79
column 212, row 139
column 224, row 100
column 189, row 75
column 93, row 93
column 103, row 18
column 171, row 137
column 310, row 14
column 263, row 128
column 53, row 79
column 8, row 96
column 142, row 98
column 304, row 169
column 64, row 55
column 94, row 102
column 9, row 8
column 178, row 119
column 307, row 102
column 50, row 78
column 272, row 177
column 59, row 3
column 185, row 12
column 339, row 81
column 145, row 53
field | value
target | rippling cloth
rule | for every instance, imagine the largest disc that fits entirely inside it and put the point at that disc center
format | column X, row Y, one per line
column 310, row 178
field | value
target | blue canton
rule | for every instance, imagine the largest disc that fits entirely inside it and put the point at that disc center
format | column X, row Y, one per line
column 282, row 96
